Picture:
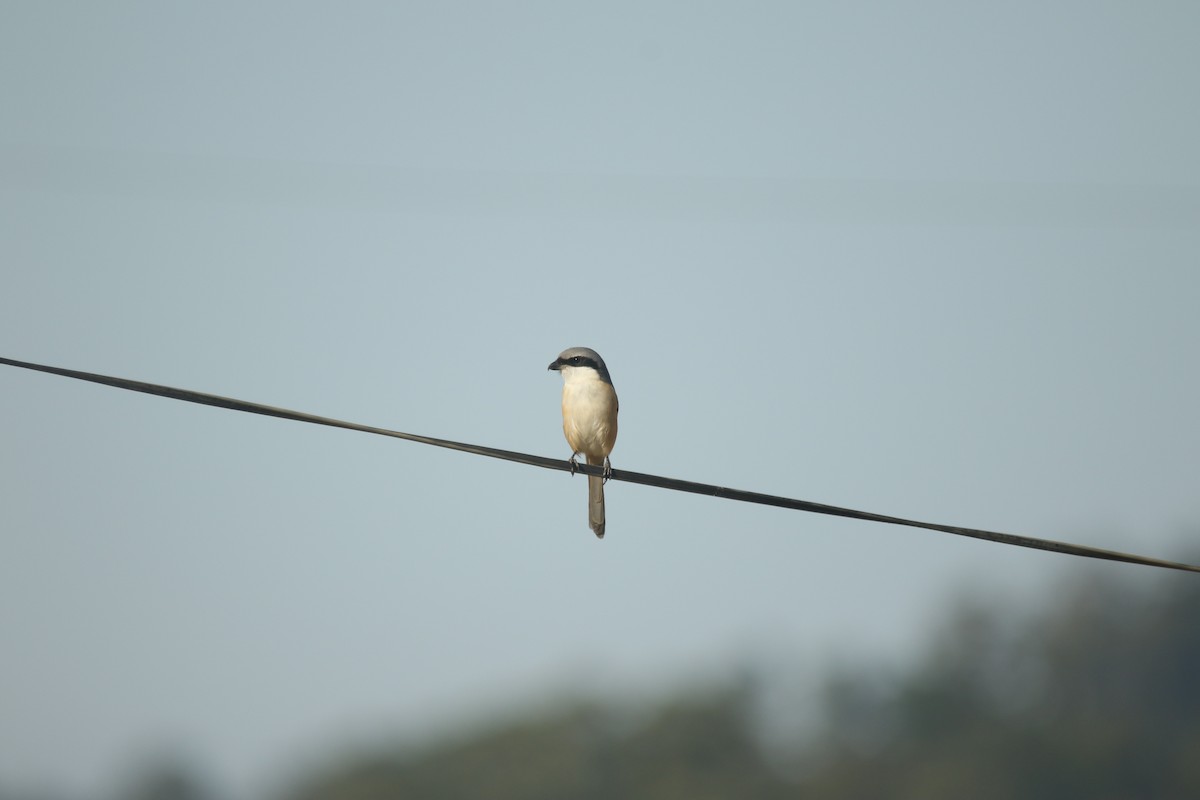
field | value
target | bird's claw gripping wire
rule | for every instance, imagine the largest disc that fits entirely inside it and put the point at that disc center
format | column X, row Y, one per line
column 573, row 461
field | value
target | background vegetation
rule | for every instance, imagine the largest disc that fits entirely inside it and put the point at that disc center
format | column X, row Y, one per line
column 1096, row 698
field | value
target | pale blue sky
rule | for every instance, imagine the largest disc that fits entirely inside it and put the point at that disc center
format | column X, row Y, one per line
column 935, row 260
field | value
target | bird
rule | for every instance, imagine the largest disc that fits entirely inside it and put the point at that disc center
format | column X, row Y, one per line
column 589, row 410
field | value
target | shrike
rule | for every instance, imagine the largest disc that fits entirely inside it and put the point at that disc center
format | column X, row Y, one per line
column 589, row 409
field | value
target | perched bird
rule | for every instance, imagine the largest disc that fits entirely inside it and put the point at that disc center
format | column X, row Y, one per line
column 589, row 409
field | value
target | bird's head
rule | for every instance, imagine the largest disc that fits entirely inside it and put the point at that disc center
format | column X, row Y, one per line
column 580, row 358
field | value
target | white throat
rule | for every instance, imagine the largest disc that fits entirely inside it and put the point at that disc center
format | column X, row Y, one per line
column 580, row 375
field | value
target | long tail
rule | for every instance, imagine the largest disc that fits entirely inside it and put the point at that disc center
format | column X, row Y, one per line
column 596, row 500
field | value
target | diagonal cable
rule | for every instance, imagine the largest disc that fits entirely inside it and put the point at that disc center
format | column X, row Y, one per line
column 675, row 484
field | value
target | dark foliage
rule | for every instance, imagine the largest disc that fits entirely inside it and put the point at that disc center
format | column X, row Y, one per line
column 1096, row 699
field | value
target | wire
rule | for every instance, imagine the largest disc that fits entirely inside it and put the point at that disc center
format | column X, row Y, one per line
column 675, row 484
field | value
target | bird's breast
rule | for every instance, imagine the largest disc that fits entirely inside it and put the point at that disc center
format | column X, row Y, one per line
column 590, row 417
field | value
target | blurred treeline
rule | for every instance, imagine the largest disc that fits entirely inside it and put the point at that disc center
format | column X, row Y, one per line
column 1097, row 697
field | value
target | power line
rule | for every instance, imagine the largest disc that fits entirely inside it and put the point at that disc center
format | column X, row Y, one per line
column 675, row 484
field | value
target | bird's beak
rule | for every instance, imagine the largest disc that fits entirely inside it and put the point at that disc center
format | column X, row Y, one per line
column 555, row 365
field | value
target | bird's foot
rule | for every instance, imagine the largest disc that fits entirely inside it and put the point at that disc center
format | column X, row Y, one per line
column 574, row 464
column 607, row 469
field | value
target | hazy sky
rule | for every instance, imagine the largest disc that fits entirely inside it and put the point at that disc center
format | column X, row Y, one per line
column 934, row 260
